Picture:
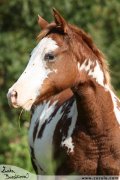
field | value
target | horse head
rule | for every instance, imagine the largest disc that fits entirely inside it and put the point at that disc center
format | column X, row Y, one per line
column 64, row 57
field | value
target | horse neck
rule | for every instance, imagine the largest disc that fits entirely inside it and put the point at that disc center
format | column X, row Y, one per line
column 96, row 72
column 97, row 104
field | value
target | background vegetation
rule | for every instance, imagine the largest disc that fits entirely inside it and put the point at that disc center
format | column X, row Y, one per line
column 18, row 30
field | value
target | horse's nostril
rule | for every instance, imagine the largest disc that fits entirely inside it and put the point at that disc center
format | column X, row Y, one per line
column 14, row 94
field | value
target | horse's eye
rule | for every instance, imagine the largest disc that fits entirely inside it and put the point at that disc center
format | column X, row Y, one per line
column 49, row 57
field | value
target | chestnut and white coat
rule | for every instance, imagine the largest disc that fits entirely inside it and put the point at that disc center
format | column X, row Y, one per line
column 75, row 123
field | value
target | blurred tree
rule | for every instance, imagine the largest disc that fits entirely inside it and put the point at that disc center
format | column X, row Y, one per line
column 18, row 30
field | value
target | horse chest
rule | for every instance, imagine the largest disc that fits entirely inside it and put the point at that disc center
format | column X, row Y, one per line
column 41, row 132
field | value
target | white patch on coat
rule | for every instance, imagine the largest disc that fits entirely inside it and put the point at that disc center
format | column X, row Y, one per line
column 67, row 141
column 114, row 98
column 116, row 110
column 43, row 147
column 47, row 111
column 97, row 74
column 84, row 66
column 30, row 83
column 35, row 118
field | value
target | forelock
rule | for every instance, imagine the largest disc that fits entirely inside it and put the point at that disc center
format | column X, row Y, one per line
column 50, row 29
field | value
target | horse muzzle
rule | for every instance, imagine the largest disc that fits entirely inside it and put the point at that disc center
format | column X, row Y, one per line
column 12, row 98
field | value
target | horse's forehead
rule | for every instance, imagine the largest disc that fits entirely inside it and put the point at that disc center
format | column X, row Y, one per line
column 45, row 45
column 58, row 38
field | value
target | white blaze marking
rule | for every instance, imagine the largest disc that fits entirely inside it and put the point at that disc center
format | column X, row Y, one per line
column 30, row 82
column 67, row 141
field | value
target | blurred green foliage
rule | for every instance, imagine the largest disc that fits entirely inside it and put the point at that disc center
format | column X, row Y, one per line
column 18, row 30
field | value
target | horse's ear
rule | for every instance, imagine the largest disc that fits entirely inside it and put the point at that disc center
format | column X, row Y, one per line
column 60, row 21
column 42, row 22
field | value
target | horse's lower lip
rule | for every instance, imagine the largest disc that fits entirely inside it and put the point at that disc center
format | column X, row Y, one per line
column 27, row 106
column 14, row 105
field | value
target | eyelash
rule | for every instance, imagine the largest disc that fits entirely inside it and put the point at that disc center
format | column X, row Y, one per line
column 49, row 57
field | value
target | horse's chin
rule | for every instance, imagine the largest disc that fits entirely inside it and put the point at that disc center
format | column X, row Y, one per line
column 27, row 107
column 16, row 106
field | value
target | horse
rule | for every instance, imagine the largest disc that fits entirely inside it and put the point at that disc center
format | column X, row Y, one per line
column 75, row 114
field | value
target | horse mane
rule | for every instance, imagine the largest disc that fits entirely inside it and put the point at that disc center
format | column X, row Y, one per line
column 100, row 56
column 75, row 35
